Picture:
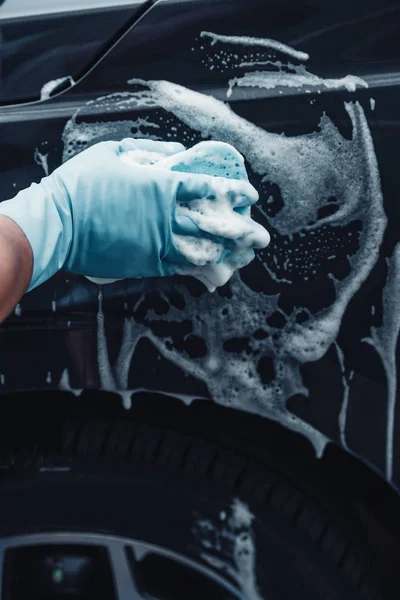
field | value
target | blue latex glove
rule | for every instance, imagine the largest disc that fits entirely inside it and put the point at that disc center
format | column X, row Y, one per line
column 97, row 216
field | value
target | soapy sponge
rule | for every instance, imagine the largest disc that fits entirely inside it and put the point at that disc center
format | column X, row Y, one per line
column 228, row 233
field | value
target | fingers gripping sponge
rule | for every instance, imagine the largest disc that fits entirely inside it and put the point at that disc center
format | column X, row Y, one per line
column 228, row 235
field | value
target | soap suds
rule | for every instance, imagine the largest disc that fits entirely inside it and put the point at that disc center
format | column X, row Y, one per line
column 227, row 233
column 297, row 80
column 281, row 73
column 41, row 160
column 114, row 377
column 312, row 172
column 79, row 134
column 141, row 157
column 185, row 398
column 107, row 380
column 18, row 310
column 346, row 379
column 52, row 85
column 258, row 42
column 101, row 280
column 384, row 339
column 64, row 384
column 309, row 170
column 126, row 397
column 231, row 535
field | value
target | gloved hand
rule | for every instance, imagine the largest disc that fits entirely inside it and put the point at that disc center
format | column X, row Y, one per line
column 229, row 235
column 97, row 216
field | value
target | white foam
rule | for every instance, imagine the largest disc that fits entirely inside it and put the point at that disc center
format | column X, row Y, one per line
column 281, row 73
column 114, row 377
column 126, row 397
column 101, row 280
column 308, row 169
column 252, row 41
column 107, row 380
column 384, row 339
column 342, row 418
column 50, row 86
column 299, row 79
column 65, row 385
column 185, row 398
column 79, row 134
column 214, row 215
column 42, row 160
column 140, row 157
column 216, row 275
column 231, row 530
column 199, row 251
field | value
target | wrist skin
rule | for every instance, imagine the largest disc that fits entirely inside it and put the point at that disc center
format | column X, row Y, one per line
column 16, row 265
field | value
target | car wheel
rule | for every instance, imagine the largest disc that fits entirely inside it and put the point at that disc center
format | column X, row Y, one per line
column 215, row 524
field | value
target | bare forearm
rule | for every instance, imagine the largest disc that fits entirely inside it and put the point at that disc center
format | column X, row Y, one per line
column 16, row 263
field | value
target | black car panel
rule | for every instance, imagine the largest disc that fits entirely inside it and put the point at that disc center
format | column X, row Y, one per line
column 46, row 46
column 144, row 335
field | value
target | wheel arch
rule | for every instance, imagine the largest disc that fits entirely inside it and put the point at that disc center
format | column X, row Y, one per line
column 347, row 486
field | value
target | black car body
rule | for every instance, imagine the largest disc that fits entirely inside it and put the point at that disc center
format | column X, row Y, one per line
column 297, row 355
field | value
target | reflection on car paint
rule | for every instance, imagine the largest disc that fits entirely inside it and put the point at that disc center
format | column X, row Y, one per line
column 312, row 171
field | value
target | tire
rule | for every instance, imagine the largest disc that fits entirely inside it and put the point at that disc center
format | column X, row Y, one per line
column 182, row 493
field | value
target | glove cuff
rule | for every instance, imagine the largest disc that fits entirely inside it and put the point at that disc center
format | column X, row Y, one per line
column 43, row 213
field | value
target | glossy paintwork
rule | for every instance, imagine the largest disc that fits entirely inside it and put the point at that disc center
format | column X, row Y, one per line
column 346, row 37
column 40, row 42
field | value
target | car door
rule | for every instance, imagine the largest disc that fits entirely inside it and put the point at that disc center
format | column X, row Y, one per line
column 305, row 335
column 45, row 45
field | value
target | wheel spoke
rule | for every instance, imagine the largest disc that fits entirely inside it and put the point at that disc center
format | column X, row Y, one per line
column 126, row 588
